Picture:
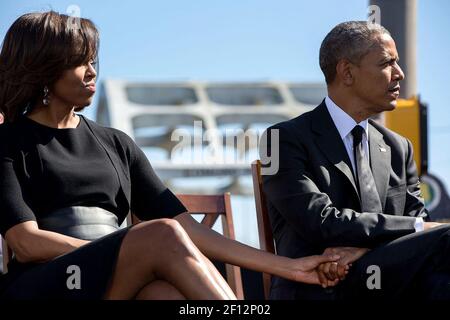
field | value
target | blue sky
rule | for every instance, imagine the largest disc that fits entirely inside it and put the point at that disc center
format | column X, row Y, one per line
column 248, row 40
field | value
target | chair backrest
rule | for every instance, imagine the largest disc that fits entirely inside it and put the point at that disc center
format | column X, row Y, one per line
column 212, row 206
column 7, row 255
column 262, row 216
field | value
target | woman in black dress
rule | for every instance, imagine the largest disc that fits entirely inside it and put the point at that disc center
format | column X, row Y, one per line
column 66, row 184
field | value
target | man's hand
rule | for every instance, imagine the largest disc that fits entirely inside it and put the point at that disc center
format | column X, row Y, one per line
column 330, row 272
column 337, row 270
column 306, row 269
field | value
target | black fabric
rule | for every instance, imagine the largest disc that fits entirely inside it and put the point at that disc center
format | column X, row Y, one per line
column 43, row 169
column 96, row 262
column 370, row 200
column 56, row 168
column 416, row 266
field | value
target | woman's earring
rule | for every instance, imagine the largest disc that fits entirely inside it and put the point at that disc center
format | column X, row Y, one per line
column 45, row 100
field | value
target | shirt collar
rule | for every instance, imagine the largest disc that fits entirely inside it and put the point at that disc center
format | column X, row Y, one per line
column 343, row 122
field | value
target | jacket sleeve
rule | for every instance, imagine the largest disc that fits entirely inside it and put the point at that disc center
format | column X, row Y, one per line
column 294, row 195
column 414, row 205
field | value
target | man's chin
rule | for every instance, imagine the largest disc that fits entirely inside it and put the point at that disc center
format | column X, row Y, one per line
column 391, row 105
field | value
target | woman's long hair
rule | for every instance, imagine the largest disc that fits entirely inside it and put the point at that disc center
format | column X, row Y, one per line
column 37, row 49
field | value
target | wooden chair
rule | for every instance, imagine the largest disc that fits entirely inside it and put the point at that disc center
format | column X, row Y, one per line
column 212, row 206
column 7, row 255
column 262, row 216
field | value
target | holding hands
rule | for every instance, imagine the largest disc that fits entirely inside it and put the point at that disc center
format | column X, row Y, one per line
column 331, row 272
column 326, row 269
column 306, row 269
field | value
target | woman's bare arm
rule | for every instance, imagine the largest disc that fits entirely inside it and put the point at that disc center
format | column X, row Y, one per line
column 31, row 244
column 218, row 247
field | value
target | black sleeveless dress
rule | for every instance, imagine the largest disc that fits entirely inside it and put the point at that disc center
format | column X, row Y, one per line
column 43, row 169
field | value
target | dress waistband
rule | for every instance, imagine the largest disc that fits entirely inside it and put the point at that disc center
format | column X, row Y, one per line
column 87, row 223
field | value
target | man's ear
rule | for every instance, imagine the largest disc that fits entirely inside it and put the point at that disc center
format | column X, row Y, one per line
column 344, row 71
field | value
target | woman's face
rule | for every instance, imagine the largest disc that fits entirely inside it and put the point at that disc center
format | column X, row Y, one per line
column 76, row 87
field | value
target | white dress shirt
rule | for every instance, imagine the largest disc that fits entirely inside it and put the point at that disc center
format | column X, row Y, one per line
column 345, row 124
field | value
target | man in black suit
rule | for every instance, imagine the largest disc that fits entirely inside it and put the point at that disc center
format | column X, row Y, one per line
column 348, row 185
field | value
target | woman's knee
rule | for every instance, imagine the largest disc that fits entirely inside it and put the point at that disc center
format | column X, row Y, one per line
column 161, row 234
column 169, row 230
column 160, row 290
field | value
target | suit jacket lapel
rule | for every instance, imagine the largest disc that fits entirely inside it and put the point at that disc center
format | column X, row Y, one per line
column 380, row 162
column 331, row 144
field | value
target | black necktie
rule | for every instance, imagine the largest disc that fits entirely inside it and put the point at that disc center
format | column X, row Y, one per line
column 370, row 200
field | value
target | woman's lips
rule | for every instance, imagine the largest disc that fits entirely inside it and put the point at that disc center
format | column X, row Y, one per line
column 90, row 87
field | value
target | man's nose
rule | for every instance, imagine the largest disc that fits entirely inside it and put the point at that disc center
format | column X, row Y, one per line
column 398, row 73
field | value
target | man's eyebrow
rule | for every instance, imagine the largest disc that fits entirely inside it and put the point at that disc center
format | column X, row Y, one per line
column 388, row 57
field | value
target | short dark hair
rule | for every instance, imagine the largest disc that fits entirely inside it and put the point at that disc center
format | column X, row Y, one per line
column 36, row 50
column 350, row 40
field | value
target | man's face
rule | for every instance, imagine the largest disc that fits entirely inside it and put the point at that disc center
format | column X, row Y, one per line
column 377, row 77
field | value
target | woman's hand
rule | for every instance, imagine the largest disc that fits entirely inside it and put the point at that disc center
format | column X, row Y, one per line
column 306, row 269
